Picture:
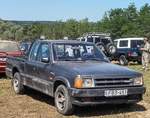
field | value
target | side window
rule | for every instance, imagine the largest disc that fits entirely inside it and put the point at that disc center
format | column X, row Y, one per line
column 123, row 43
column 34, row 51
column 97, row 40
column 105, row 41
column 133, row 43
column 140, row 43
column 43, row 52
column 90, row 39
column 83, row 39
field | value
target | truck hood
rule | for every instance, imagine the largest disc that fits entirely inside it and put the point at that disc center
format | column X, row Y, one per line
column 97, row 68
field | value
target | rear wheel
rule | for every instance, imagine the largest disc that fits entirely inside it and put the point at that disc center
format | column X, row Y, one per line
column 63, row 101
column 122, row 60
column 16, row 84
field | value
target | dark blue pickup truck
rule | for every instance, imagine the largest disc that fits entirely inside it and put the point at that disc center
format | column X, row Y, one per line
column 74, row 73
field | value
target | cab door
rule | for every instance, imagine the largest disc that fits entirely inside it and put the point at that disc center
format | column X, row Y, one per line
column 30, row 73
column 44, row 69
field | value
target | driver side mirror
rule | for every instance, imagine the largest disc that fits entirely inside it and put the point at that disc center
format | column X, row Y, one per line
column 45, row 60
column 23, row 49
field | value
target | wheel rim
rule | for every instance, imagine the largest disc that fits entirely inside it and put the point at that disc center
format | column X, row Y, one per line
column 121, row 62
column 16, row 84
column 60, row 100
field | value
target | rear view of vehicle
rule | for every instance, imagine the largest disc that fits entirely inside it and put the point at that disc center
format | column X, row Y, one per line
column 102, row 40
column 7, row 48
column 128, row 49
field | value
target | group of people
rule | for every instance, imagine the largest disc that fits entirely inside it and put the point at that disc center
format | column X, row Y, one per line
column 146, row 53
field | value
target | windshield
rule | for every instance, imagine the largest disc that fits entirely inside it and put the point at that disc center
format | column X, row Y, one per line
column 76, row 52
column 8, row 46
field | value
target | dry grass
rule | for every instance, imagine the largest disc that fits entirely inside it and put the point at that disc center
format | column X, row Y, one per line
column 36, row 105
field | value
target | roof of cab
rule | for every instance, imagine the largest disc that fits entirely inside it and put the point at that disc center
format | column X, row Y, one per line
column 129, row 39
column 66, row 41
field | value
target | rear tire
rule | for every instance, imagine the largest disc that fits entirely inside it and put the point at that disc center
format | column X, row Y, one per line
column 122, row 60
column 63, row 101
column 16, row 84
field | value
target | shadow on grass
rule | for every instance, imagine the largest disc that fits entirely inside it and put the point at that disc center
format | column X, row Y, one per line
column 103, row 110
column 39, row 96
column 89, row 111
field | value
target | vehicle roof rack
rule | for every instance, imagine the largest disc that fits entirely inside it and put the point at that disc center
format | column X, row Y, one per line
column 96, row 34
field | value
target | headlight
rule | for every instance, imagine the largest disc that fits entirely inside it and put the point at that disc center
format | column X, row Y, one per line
column 138, row 81
column 83, row 82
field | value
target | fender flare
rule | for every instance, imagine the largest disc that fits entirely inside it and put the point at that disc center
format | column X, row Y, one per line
column 62, row 79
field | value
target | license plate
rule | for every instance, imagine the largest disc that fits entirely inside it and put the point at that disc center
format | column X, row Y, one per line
column 111, row 93
column 2, row 59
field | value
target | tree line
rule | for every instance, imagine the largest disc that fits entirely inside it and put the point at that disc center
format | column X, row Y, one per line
column 119, row 22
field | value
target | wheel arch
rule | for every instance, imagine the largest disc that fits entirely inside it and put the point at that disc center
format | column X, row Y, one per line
column 14, row 70
column 60, row 80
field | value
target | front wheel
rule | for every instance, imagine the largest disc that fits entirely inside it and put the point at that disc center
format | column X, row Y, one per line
column 63, row 101
column 16, row 84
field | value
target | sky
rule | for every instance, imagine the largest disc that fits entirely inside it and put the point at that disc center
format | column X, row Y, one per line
column 52, row 10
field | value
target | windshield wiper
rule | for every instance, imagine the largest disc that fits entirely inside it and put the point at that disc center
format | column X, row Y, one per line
column 95, row 59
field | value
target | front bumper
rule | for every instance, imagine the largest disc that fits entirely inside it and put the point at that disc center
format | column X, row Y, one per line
column 84, row 97
column 134, row 58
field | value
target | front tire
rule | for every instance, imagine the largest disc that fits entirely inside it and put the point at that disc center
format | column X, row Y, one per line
column 63, row 101
column 16, row 84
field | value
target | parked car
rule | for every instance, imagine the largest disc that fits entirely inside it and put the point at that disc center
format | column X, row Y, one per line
column 25, row 46
column 128, row 49
column 74, row 73
column 102, row 40
column 7, row 48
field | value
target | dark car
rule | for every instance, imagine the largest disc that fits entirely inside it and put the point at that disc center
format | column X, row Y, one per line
column 128, row 49
column 74, row 73
column 25, row 46
column 8, row 48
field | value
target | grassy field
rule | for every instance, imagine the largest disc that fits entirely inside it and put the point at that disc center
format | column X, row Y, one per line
column 36, row 105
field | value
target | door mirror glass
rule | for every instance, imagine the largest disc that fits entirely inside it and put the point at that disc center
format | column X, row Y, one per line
column 45, row 59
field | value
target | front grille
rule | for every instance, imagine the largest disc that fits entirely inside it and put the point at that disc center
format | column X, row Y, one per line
column 113, row 82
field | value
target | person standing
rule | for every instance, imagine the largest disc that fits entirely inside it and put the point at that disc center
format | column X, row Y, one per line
column 146, row 53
